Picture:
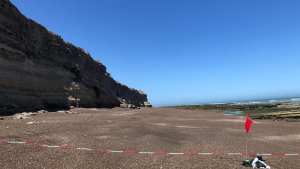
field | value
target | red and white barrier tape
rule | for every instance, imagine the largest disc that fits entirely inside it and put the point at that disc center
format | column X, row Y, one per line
column 134, row 152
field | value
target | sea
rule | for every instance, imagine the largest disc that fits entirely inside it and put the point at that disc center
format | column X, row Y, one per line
column 294, row 100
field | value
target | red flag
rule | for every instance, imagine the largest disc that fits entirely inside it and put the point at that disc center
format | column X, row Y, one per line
column 248, row 123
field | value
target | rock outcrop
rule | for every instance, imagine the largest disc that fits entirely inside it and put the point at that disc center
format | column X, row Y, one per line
column 39, row 70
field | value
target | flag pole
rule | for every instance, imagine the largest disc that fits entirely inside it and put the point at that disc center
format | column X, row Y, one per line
column 248, row 123
column 247, row 146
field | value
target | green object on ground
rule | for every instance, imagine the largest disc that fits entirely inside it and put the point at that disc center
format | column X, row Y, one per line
column 247, row 163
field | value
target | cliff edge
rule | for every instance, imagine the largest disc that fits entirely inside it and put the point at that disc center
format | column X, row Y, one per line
column 39, row 70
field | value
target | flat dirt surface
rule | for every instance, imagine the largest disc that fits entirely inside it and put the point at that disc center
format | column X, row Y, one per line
column 154, row 138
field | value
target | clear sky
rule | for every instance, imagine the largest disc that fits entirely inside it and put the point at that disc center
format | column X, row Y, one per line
column 185, row 51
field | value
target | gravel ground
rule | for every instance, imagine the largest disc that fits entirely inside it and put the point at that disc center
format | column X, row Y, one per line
column 142, row 138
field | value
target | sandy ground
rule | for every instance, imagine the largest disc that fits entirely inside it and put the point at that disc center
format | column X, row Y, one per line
column 158, row 138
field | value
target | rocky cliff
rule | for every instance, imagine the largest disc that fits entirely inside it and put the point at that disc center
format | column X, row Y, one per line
column 39, row 70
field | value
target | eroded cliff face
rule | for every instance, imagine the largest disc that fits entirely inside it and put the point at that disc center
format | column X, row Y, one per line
column 39, row 70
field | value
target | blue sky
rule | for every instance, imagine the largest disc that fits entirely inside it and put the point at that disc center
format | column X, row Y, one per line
column 185, row 52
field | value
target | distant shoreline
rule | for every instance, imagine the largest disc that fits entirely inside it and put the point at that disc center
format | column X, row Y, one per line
column 244, row 102
column 270, row 108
